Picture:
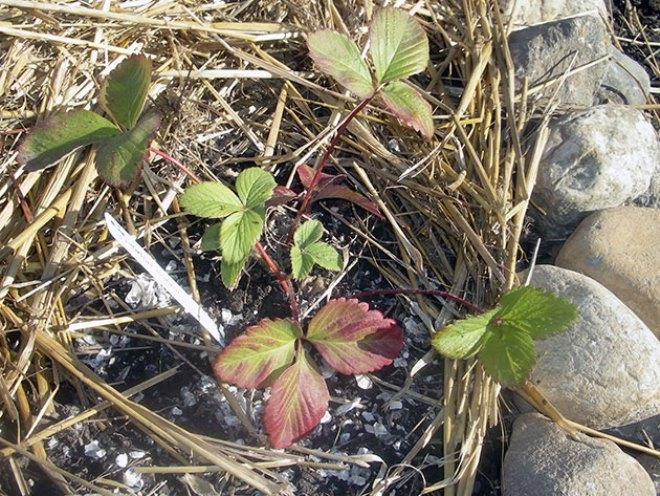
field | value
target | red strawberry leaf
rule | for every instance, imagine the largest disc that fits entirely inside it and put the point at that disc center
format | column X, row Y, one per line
column 298, row 400
column 306, row 174
column 252, row 357
column 281, row 196
column 344, row 193
column 354, row 339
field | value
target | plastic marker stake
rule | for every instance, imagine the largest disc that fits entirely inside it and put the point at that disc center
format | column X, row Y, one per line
column 163, row 278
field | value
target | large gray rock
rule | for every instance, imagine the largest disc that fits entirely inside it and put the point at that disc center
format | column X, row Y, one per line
column 600, row 158
column 605, row 370
column 543, row 460
column 625, row 82
column 618, row 248
column 527, row 12
column 545, row 52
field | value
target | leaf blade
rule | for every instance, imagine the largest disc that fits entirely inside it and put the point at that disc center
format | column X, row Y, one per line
column 353, row 339
column 507, row 355
column 253, row 356
column 537, row 312
column 325, row 256
column 239, row 233
column 409, row 107
column 211, row 199
column 61, row 134
column 338, row 192
column 124, row 92
column 301, row 263
column 297, row 402
column 231, row 272
column 399, row 46
column 462, row 339
column 255, row 186
column 119, row 159
column 308, row 233
column 211, row 238
column 339, row 57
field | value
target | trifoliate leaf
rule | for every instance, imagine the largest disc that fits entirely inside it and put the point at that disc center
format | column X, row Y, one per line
column 252, row 357
column 239, row 233
column 354, row 339
column 124, row 92
column 463, row 338
column 298, row 400
column 507, row 355
column 210, row 199
column 231, row 272
column 61, row 134
column 254, row 186
column 399, row 46
column 536, row 312
column 119, row 159
column 211, row 238
column 325, row 255
column 409, row 107
column 309, row 232
column 339, row 57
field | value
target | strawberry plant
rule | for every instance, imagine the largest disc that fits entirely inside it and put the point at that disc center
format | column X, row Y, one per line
column 121, row 142
column 503, row 338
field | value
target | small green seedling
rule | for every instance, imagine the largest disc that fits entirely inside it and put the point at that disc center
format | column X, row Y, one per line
column 121, row 144
column 503, row 338
column 399, row 48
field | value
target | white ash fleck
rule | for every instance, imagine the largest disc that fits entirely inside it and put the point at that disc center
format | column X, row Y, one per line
column 395, row 405
column 52, row 442
column 93, row 450
column 327, row 417
column 229, row 318
column 415, row 329
column 347, row 407
column 145, row 292
column 133, row 479
column 207, row 384
column 377, row 429
column 137, row 455
column 364, row 382
column 368, row 416
column 171, row 266
column 402, row 360
column 187, row 396
column 177, row 411
column 394, row 145
column 121, row 460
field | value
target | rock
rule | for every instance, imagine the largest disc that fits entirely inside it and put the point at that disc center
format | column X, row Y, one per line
column 544, row 53
column 652, row 466
column 528, row 12
column 625, row 82
column 605, row 370
column 543, row 460
column 596, row 159
column 619, row 249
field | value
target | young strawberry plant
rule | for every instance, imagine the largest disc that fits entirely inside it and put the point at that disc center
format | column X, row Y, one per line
column 121, row 142
column 503, row 338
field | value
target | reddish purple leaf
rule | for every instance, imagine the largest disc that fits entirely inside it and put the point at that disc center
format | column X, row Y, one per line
column 306, row 174
column 252, row 357
column 344, row 193
column 354, row 339
column 298, row 400
column 281, row 196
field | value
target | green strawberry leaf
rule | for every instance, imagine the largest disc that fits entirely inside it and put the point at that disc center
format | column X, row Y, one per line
column 298, row 400
column 301, row 263
column 254, row 187
column 309, row 232
column 507, row 355
column 463, row 338
column 325, row 255
column 409, row 107
column 61, row 134
column 119, row 159
column 239, row 233
column 211, row 238
column 231, row 272
column 252, row 357
column 339, row 57
column 536, row 312
column 211, row 199
column 353, row 339
column 124, row 92
column 399, row 46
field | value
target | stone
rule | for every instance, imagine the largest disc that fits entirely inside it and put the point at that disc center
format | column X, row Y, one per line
column 522, row 13
column 604, row 371
column 599, row 158
column 618, row 248
column 543, row 460
column 652, row 466
column 545, row 52
column 625, row 82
